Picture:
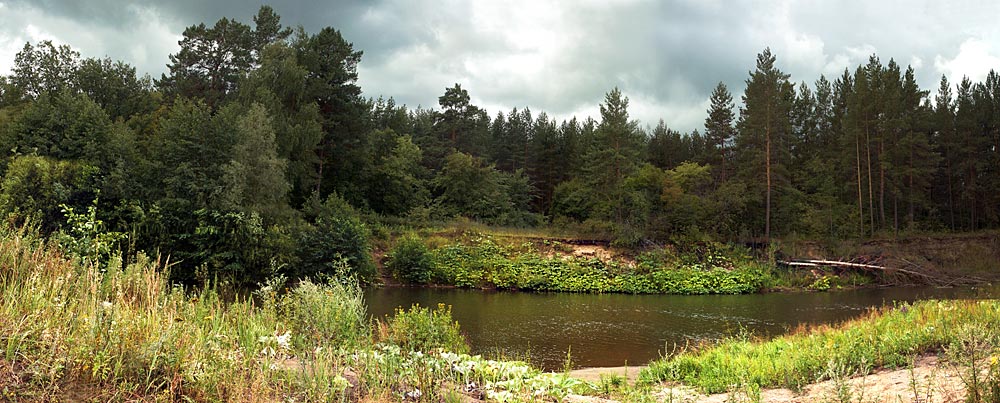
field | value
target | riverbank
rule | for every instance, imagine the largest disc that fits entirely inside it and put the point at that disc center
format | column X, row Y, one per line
column 119, row 331
column 480, row 260
column 484, row 258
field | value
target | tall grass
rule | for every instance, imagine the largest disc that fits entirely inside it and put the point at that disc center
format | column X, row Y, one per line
column 888, row 338
column 122, row 330
column 73, row 331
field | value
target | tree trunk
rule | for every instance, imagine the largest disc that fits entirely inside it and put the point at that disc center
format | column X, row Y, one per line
column 861, row 207
column 881, row 184
column 767, row 163
column 911, row 190
column 951, row 198
column 319, row 171
column 871, row 195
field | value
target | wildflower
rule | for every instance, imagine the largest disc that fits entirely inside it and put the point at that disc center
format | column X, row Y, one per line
column 994, row 360
column 283, row 341
column 106, row 304
column 415, row 394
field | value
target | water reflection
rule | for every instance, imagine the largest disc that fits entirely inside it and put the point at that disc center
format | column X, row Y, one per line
column 615, row 329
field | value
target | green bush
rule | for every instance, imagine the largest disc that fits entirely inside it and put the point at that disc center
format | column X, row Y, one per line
column 423, row 329
column 325, row 315
column 336, row 233
column 411, row 261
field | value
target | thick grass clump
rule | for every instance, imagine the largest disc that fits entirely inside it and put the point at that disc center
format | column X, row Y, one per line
column 888, row 338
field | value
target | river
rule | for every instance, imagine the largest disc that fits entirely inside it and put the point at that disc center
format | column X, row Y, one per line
column 601, row 330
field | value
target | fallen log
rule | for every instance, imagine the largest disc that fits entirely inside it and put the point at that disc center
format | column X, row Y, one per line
column 834, row 263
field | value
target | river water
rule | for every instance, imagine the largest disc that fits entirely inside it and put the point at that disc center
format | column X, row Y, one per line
column 602, row 330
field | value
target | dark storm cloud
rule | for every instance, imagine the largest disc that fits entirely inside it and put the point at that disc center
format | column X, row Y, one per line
column 555, row 56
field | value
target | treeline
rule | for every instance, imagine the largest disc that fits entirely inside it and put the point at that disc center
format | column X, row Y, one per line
column 257, row 154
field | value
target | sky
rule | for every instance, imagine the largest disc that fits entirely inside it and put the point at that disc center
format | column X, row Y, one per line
column 557, row 56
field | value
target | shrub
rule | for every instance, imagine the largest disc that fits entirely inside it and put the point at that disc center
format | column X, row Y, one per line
column 411, row 261
column 325, row 314
column 423, row 329
column 337, row 233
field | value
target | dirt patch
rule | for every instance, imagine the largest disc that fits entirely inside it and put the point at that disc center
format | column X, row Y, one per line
column 930, row 381
column 586, row 251
column 595, row 374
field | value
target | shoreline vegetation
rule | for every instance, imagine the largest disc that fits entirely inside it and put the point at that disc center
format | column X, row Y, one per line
column 73, row 330
column 490, row 258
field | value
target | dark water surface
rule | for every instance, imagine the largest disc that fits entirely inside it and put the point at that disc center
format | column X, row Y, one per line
column 612, row 329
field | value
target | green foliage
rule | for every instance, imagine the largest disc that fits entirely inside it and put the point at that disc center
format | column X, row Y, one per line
column 422, row 329
column 44, row 69
column 63, row 125
column 411, row 261
column 124, row 330
column 336, row 233
column 399, row 186
column 85, row 236
column 572, row 199
column 254, row 177
column 231, row 247
column 35, row 188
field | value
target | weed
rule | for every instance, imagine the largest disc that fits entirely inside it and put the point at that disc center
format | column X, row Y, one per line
column 976, row 351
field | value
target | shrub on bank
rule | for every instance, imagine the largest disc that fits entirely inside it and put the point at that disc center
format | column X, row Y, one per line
column 411, row 261
column 421, row 329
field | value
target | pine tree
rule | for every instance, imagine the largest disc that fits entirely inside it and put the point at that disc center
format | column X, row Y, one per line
column 944, row 139
column 764, row 128
column 614, row 155
column 719, row 131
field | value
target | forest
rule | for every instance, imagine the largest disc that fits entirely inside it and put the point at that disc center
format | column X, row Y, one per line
column 257, row 154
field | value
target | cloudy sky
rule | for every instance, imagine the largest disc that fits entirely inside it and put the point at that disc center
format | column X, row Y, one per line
column 557, row 56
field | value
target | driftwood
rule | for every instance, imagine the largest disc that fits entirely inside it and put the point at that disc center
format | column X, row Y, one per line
column 833, row 263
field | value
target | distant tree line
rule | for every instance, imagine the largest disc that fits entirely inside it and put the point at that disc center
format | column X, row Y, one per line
column 257, row 154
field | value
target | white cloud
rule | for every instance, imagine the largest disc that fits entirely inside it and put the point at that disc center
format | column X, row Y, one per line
column 146, row 45
column 975, row 59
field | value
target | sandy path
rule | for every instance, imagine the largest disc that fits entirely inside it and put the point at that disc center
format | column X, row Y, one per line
column 930, row 381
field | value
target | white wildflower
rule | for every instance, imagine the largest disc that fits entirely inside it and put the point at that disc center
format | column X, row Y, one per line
column 415, row 394
column 106, row 304
column 283, row 341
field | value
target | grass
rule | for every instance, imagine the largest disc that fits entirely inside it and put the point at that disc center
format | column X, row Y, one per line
column 888, row 338
column 120, row 331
